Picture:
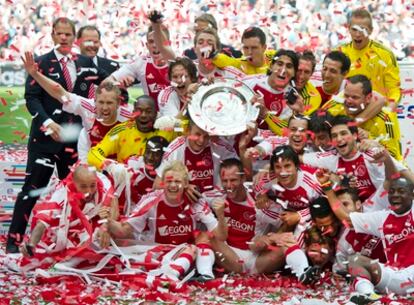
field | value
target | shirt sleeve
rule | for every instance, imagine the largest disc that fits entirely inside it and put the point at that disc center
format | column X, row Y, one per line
column 322, row 160
column 222, row 60
column 369, row 223
column 392, row 79
column 81, row 106
column 84, row 145
column 204, row 214
column 133, row 69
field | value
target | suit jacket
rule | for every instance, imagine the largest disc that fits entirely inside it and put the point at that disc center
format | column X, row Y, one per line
column 42, row 106
column 108, row 65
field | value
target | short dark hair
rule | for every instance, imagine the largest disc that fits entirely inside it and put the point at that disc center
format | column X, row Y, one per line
column 309, row 56
column 145, row 97
column 227, row 163
column 348, row 190
column 289, row 53
column 64, row 20
column 254, row 31
column 157, row 141
column 345, row 120
column 284, row 152
column 206, row 17
column 320, row 208
column 365, row 81
column 298, row 116
column 88, row 28
column 320, row 121
column 340, row 57
column 188, row 65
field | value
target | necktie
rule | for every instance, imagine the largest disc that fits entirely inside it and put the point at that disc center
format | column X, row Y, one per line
column 66, row 74
column 91, row 93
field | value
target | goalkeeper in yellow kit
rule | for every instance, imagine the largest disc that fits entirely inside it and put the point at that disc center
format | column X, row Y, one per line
column 256, row 57
column 371, row 58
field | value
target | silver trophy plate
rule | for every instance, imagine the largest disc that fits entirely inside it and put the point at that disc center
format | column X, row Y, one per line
column 223, row 108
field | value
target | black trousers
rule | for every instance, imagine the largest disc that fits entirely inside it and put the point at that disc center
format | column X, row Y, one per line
column 37, row 177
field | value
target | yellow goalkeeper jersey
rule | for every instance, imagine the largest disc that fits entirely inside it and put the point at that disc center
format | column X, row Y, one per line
column 222, row 60
column 378, row 64
column 311, row 98
column 384, row 127
column 124, row 140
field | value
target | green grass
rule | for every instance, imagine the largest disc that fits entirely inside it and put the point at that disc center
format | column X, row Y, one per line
column 15, row 120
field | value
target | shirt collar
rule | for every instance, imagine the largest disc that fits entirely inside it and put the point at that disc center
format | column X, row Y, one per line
column 59, row 55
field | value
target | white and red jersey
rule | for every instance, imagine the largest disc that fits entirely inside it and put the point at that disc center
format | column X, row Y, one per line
column 244, row 221
column 169, row 103
column 327, row 97
column 351, row 242
column 370, row 176
column 169, row 224
column 94, row 130
column 273, row 99
column 296, row 198
column 396, row 232
column 203, row 166
column 153, row 78
column 131, row 182
column 69, row 221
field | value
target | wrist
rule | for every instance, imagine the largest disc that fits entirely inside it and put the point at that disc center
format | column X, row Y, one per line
column 327, row 186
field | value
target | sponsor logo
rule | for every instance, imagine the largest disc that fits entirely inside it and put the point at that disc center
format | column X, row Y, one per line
column 240, row 226
column 363, row 183
column 175, row 230
column 201, row 174
column 393, row 238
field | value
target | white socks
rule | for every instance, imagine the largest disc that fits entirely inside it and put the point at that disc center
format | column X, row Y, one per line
column 205, row 260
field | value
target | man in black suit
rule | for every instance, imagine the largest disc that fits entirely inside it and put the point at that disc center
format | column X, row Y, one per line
column 53, row 133
column 89, row 38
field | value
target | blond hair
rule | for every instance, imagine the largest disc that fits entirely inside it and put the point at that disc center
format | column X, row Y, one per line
column 361, row 13
column 176, row 166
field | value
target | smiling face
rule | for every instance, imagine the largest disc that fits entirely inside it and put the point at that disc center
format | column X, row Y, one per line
column 86, row 183
column 360, row 29
column 286, row 172
column 145, row 114
column 304, row 73
column 400, row 195
column 297, row 134
column 355, row 100
column 89, row 43
column 180, row 76
column 332, row 76
column 198, row 139
column 63, row 37
column 253, row 50
column 107, row 103
column 328, row 225
column 283, row 70
column 232, row 181
column 344, row 141
column 174, row 184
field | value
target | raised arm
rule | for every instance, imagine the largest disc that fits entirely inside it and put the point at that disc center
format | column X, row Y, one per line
column 160, row 39
column 51, row 87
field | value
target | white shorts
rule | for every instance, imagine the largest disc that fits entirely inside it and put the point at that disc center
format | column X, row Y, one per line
column 399, row 281
column 248, row 258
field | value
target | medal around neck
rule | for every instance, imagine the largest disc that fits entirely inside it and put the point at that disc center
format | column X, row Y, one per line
column 223, row 108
